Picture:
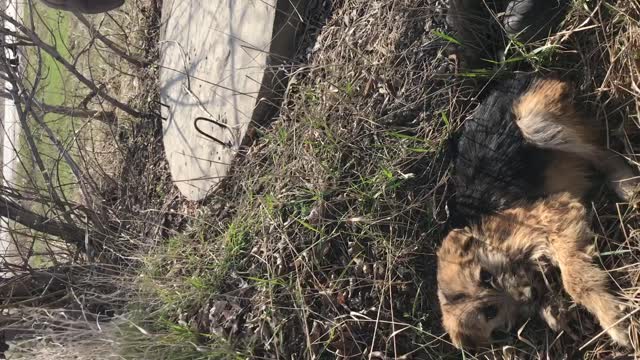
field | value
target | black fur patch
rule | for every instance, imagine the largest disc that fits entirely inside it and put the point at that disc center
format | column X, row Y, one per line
column 494, row 167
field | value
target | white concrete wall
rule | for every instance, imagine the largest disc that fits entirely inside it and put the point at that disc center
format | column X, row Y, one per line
column 9, row 143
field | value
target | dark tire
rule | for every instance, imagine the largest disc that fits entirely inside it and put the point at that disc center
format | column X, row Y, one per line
column 85, row 6
column 531, row 20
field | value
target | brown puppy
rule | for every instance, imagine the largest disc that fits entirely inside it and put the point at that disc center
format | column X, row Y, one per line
column 489, row 271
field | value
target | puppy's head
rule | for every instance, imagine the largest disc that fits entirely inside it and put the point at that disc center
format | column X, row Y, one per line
column 484, row 292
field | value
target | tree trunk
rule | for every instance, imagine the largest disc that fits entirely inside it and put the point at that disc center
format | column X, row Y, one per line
column 29, row 287
column 107, row 117
column 67, row 232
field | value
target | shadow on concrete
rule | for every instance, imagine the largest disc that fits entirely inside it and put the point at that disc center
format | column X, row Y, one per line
column 292, row 35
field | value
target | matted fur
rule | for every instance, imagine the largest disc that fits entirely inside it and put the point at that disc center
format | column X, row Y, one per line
column 520, row 186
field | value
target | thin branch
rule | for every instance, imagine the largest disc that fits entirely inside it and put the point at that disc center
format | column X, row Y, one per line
column 110, row 44
column 53, row 52
column 107, row 117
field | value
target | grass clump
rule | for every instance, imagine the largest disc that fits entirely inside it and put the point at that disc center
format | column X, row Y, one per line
column 321, row 241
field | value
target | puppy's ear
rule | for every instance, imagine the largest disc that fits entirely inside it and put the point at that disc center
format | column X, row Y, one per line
column 458, row 242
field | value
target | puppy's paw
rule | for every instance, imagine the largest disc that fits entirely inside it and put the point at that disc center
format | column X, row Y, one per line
column 558, row 317
column 627, row 189
column 620, row 335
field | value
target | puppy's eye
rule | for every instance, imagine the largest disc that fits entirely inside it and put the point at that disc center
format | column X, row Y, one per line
column 486, row 278
column 457, row 297
column 490, row 312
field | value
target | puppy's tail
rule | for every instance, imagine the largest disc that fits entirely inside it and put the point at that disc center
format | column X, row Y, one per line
column 548, row 119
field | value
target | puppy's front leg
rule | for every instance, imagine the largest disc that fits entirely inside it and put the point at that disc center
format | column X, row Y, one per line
column 585, row 282
column 587, row 285
column 569, row 240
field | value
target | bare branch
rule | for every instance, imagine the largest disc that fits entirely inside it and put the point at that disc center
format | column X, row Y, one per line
column 65, row 231
column 107, row 117
column 110, row 44
column 55, row 54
